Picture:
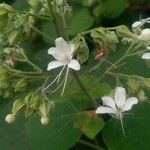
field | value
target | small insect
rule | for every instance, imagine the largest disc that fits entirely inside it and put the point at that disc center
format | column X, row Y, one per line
column 101, row 53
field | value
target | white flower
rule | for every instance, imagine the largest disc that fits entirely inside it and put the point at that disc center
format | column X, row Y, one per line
column 118, row 105
column 147, row 54
column 63, row 53
column 145, row 35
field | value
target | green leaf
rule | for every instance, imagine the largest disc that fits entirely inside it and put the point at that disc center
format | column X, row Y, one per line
column 113, row 8
column 136, row 129
column 14, row 136
column 89, row 124
column 59, row 134
column 82, row 21
column 97, row 90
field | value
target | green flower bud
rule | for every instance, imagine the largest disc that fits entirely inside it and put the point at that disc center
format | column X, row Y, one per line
column 7, row 93
column 4, row 10
column 146, row 82
column 21, row 85
column 3, row 74
column 34, row 3
column 8, row 50
column 10, row 118
column 133, row 85
column 59, row 2
column 141, row 95
column 32, row 100
column 44, row 120
column 4, row 84
column 15, row 37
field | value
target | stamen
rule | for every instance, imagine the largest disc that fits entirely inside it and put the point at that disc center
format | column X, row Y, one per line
column 57, row 78
column 66, row 77
column 122, row 126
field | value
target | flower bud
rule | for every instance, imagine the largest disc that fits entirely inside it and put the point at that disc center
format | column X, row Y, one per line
column 8, row 50
column 133, row 85
column 4, row 10
column 59, row 2
column 44, row 120
column 15, row 37
column 145, row 35
column 10, row 118
column 141, row 96
column 21, row 85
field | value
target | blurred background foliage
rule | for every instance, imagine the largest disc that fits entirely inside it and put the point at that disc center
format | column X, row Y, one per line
column 61, row 134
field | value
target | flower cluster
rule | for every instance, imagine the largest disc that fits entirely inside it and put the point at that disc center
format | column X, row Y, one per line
column 144, row 33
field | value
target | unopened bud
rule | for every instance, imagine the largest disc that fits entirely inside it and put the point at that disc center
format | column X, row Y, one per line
column 145, row 35
column 59, row 2
column 44, row 120
column 10, row 118
column 141, row 96
column 15, row 37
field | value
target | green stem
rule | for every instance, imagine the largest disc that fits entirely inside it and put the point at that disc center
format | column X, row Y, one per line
column 42, row 33
column 53, row 16
column 90, row 145
column 20, row 72
column 35, row 67
column 94, row 103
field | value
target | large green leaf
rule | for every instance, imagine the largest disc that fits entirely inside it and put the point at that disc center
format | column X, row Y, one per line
column 81, row 21
column 60, row 134
column 113, row 8
column 14, row 136
column 136, row 128
column 89, row 123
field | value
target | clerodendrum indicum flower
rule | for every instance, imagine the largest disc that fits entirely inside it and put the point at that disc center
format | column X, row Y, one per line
column 147, row 54
column 63, row 53
column 115, row 107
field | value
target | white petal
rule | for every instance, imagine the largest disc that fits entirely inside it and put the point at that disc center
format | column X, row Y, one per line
column 56, row 53
column 108, row 101
column 120, row 97
column 129, row 103
column 52, row 50
column 105, row 110
column 136, row 24
column 146, row 56
column 55, row 64
column 74, row 64
column 148, row 47
column 62, row 45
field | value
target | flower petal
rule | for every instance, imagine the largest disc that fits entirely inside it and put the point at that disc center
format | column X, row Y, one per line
column 146, row 56
column 55, row 64
column 108, row 101
column 74, row 64
column 129, row 103
column 56, row 53
column 62, row 46
column 120, row 96
column 104, row 110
